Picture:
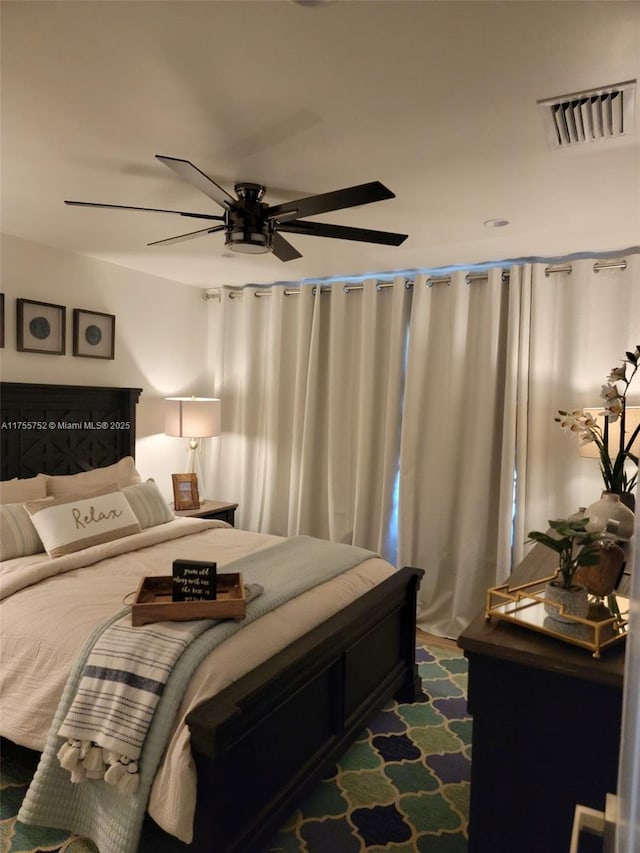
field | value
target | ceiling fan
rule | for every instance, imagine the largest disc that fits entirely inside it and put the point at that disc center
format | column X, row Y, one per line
column 254, row 227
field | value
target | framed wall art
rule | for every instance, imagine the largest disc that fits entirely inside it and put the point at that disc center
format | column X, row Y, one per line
column 185, row 491
column 93, row 334
column 41, row 327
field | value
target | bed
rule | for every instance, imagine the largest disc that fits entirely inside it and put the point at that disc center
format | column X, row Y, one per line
column 269, row 711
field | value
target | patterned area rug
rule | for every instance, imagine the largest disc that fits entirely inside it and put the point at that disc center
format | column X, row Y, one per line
column 402, row 787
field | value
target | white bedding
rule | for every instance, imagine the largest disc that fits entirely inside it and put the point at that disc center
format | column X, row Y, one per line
column 50, row 607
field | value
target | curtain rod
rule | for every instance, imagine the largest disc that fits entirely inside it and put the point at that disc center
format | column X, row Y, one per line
column 599, row 265
column 349, row 288
column 215, row 293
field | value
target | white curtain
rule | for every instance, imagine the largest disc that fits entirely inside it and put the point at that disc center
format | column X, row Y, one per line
column 456, row 461
column 482, row 460
column 326, row 415
column 260, row 357
column 582, row 323
column 311, row 389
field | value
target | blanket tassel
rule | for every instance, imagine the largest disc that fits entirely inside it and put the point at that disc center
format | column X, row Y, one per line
column 115, row 773
column 123, row 773
column 128, row 784
column 93, row 762
column 69, row 754
column 87, row 760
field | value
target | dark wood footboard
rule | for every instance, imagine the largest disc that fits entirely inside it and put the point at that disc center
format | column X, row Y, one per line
column 262, row 743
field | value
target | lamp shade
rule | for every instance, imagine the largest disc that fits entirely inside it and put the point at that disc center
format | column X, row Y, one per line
column 192, row 417
column 632, row 419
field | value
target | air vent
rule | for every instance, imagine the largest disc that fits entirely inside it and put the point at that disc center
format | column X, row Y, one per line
column 599, row 114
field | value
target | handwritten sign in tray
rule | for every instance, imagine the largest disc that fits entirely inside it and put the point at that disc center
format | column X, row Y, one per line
column 154, row 601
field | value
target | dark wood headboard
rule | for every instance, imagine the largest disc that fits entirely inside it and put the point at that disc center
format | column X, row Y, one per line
column 64, row 429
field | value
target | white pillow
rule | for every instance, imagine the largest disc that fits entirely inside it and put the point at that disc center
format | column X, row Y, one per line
column 28, row 489
column 18, row 536
column 147, row 503
column 66, row 525
column 122, row 473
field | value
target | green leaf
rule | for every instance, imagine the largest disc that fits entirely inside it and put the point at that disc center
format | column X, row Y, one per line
column 545, row 539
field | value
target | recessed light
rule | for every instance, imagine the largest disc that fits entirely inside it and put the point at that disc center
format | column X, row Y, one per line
column 495, row 223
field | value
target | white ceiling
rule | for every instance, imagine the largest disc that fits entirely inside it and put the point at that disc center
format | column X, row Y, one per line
column 435, row 99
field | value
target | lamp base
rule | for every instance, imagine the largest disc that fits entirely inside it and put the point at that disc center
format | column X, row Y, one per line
column 193, row 464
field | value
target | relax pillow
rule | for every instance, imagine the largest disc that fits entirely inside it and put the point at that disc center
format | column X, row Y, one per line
column 18, row 491
column 122, row 473
column 18, row 536
column 66, row 525
column 147, row 503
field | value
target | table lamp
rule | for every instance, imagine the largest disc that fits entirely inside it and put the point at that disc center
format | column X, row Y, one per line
column 193, row 418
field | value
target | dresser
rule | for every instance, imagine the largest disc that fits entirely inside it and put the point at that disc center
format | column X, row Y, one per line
column 546, row 729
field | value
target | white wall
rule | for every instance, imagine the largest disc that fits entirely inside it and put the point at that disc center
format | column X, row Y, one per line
column 160, row 342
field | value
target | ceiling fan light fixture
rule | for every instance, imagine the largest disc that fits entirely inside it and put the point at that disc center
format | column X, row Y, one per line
column 249, row 242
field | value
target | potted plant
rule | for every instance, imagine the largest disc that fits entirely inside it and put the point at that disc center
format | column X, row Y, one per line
column 576, row 546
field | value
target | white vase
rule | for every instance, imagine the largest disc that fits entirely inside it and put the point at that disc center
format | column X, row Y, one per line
column 610, row 514
column 562, row 604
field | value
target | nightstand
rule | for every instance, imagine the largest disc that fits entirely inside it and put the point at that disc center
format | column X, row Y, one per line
column 546, row 729
column 210, row 509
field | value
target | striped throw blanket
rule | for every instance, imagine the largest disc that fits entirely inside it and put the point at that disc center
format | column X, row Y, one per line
column 119, row 690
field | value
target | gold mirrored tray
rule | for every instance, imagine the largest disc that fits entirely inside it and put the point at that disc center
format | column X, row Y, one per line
column 524, row 605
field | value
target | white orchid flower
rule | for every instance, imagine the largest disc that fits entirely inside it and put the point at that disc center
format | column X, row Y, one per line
column 586, row 437
column 617, row 374
column 614, row 409
column 609, row 392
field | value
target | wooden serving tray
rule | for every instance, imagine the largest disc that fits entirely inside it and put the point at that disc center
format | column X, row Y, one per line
column 153, row 601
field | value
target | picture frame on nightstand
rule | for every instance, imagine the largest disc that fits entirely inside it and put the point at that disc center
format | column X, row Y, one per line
column 185, row 491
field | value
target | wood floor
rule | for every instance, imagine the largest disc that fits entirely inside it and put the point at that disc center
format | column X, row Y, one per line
column 433, row 640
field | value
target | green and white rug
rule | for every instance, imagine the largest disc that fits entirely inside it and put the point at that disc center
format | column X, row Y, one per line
column 402, row 787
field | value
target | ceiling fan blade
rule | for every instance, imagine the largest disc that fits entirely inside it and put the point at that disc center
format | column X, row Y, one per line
column 342, row 232
column 336, row 200
column 283, row 249
column 188, row 236
column 149, row 209
column 199, row 180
